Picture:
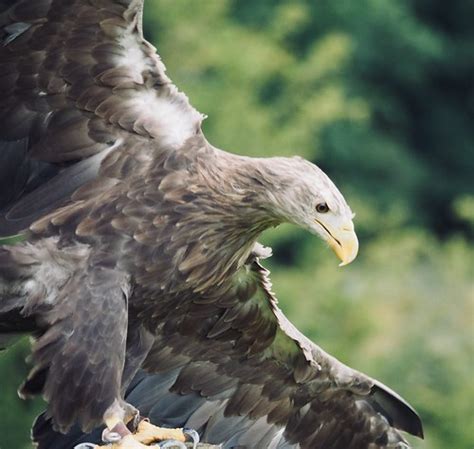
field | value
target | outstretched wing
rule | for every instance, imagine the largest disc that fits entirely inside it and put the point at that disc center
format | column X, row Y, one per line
column 77, row 81
column 234, row 368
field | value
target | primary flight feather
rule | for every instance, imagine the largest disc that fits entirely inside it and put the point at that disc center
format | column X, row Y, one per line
column 141, row 251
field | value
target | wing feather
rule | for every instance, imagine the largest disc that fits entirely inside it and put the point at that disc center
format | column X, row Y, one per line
column 260, row 369
column 82, row 352
column 77, row 78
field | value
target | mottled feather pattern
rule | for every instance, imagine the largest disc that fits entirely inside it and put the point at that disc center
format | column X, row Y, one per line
column 66, row 331
column 257, row 382
column 70, row 91
column 226, row 336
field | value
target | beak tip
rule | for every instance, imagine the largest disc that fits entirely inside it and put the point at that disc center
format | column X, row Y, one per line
column 348, row 250
column 343, row 241
column 347, row 262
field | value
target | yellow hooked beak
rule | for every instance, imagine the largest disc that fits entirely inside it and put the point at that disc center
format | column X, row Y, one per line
column 343, row 240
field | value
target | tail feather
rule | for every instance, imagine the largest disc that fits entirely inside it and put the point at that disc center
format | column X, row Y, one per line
column 152, row 395
column 46, row 438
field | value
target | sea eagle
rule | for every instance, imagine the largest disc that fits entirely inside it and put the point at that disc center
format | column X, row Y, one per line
column 138, row 250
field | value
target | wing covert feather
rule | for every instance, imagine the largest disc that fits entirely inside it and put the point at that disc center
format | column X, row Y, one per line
column 78, row 361
column 251, row 363
column 77, row 79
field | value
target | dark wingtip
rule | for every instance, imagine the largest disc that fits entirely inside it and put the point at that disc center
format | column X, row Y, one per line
column 421, row 432
column 399, row 412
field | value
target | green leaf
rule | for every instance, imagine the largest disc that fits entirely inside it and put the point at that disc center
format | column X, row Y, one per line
column 13, row 239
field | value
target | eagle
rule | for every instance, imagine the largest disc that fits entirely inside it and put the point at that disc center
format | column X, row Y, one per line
column 136, row 265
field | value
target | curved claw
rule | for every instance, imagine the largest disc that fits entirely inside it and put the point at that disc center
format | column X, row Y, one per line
column 85, row 446
column 132, row 425
column 193, row 436
column 175, row 444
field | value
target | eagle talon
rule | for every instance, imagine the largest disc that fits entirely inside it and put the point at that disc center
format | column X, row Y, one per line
column 175, row 444
column 192, row 435
column 134, row 422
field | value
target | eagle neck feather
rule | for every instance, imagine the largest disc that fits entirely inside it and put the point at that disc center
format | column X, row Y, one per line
column 226, row 209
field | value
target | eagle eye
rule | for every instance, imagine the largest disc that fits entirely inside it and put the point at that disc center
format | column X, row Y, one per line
column 322, row 208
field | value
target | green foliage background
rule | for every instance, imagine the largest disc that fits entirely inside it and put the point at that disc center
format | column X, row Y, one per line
column 379, row 93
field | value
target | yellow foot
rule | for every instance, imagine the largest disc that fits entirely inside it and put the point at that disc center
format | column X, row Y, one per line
column 146, row 434
column 127, row 442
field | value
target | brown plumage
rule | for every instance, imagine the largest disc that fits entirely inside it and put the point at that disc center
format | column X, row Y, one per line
column 142, row 249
